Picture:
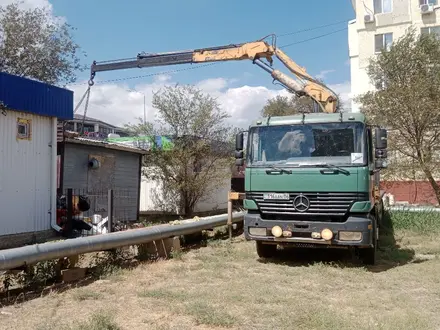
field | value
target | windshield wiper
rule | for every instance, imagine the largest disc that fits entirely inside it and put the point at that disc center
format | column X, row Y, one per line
column 277, row 169
column 340, row 169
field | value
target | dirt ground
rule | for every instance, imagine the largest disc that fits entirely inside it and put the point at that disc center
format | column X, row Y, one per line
column 226, row 285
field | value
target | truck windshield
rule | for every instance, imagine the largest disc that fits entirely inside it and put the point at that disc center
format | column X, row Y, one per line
column 307, row 144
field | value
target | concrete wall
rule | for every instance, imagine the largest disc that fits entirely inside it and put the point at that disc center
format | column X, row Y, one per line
column 156, row 198
column 25, row 175
column 361, row 35
column 119, row 171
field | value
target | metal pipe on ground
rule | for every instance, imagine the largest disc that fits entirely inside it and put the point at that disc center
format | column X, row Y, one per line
column 13, row 258
column 413, row 208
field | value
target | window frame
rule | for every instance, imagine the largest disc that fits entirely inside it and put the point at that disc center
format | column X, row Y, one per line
column 27, row 125
column 428, row 2
column 383, row 37
column 429, row 28
column 380, row 10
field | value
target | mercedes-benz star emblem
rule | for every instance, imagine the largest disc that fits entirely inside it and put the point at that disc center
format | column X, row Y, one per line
column 301, row 203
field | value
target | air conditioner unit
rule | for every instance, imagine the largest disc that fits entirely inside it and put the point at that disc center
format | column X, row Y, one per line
column 427, row 8
column 368, row 18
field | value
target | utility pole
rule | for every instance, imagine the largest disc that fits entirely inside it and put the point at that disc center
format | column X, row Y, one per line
column 145, row 112
column 145, row 106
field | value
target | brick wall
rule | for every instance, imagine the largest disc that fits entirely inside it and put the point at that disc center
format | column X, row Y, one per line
column 414, row 192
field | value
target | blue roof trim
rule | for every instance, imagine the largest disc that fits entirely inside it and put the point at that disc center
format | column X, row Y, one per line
column 22, row 94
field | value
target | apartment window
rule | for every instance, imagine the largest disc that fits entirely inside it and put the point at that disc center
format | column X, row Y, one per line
column 382, row 41
column 431, row 29
column 430, row 2
column 383, row 6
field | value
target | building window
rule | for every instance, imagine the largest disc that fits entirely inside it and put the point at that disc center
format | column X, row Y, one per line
column 383, row 6
column 383, row 41
column 428, row 2
column 431, row 29
column 24, row 129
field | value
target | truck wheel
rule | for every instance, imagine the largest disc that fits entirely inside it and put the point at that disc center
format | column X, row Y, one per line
column 266, row 250
column 368, row 255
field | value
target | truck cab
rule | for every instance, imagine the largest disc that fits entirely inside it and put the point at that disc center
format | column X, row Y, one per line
column 312, row 179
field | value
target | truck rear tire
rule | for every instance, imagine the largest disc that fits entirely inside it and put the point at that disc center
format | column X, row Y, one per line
column 266, row 250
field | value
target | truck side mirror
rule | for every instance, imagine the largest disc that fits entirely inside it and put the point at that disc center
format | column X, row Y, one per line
column 381, row 137
column 239, row 142
column 380, row 164
column 381, row 153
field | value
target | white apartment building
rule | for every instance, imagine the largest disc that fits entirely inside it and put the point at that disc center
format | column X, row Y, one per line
column 377, row 24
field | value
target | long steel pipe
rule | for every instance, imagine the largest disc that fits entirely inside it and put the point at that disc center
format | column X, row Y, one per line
column 13, row 258
column 412, row 208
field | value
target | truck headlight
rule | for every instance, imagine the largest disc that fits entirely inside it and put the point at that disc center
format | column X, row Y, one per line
column 257, row 231
column 277, row 231
column 327, row 234
column 350, row 235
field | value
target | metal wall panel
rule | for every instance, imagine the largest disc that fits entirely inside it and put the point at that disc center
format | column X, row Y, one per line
column 25, row 175
column 119, row 171
column 35, row 97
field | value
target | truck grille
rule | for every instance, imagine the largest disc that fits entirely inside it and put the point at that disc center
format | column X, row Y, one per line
column 319, row 204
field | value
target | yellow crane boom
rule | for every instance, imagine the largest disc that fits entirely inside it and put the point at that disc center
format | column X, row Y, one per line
column 304, row 85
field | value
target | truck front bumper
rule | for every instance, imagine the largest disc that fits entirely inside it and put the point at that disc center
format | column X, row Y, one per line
column 309, row 232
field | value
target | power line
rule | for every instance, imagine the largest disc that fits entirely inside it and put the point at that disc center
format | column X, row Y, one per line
column 313, row 38
column 312, row 28
column 148, row 75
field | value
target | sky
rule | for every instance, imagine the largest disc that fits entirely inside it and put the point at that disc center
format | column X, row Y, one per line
column 111, row 30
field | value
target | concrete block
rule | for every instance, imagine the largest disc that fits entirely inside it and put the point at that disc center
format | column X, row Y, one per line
column 159, row 248
column 73, row 274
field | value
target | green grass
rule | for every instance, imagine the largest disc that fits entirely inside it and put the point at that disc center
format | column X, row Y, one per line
column 95, row 322
column 425, row 222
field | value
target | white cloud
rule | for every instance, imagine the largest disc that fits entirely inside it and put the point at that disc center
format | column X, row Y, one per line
column 344, row 91
column 29, row 3
column 323, row 74
column 118, row 104
column 32, row 4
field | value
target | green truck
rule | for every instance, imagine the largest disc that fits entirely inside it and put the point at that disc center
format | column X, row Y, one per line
column 311, row 180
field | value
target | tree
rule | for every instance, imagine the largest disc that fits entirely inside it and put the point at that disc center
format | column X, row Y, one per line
column 202, row 152
column 36, row 45
column 407, row 102
column 289, row 105
column 286, row 105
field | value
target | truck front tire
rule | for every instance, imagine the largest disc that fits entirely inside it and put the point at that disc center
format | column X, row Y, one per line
column 368, row 255
column 266, row 250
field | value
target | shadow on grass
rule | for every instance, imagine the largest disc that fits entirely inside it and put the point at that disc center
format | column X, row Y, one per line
column 389, row 254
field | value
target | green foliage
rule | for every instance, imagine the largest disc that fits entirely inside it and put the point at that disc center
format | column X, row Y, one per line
column 285, row 106
column 201, row 157
column 36, row 45
column 109, row 262
column 424, row 222
column 289, row 105
column 407, row 101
